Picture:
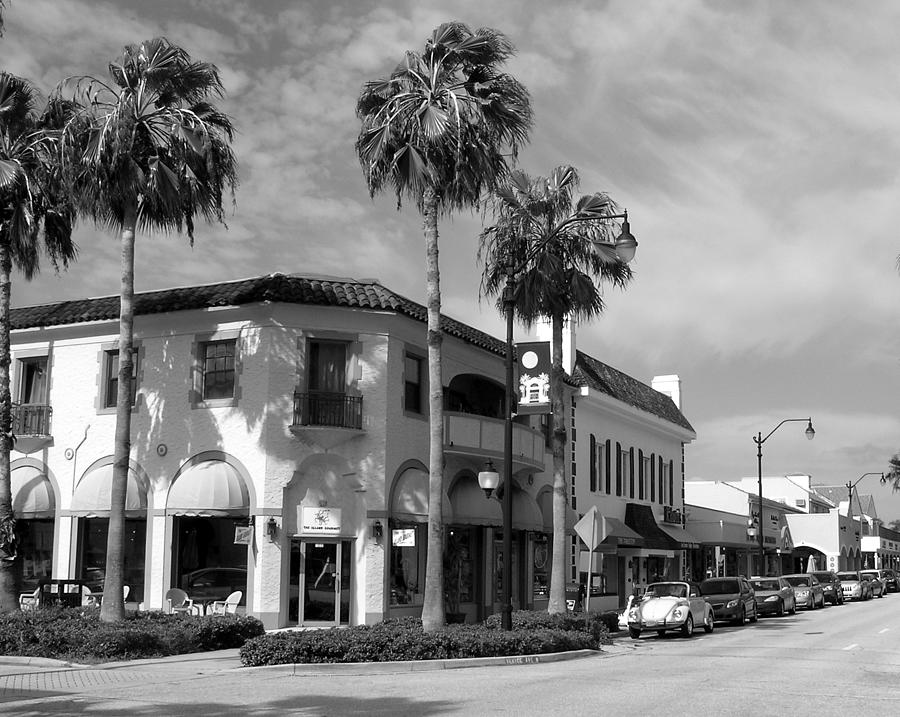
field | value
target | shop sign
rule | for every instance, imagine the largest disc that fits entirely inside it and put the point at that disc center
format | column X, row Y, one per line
column 243, row 535
column 319, row 521
column 403, row 538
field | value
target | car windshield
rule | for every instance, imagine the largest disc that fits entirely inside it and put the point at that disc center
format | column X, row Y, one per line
column 847, row 576
column 823, row 577
column 666, row 590
column 798, row 581
column 765, row 584
column 715, row 586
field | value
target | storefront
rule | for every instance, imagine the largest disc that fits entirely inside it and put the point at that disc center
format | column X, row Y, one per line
column 34, row 505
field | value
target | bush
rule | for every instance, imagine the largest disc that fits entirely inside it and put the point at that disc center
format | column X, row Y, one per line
column 77, row 634
column 404, row 639
column 598, row 624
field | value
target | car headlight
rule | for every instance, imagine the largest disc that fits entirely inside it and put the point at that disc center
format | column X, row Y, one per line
column 678, row 612
column 733, row 603
column 771, row 598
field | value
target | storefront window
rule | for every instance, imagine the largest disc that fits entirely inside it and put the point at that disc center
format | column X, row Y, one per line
column 36, row 550
column 94, row 532
column 459, row 570
column 407, row 563
column 541, row 566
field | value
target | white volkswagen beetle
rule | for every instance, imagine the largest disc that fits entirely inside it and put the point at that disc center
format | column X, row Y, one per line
column 670, row 606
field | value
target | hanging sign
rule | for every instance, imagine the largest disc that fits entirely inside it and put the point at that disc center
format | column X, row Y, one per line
column 403, row 538
column 534, row 377
column 319, row 521
column 243, row 535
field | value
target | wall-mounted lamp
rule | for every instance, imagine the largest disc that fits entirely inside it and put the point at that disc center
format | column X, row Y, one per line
column 377, row 530
column 488, row 479
column 271, row 528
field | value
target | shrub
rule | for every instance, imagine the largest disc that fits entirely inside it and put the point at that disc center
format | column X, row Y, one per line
column 597, row 624
column 77, row 634
column 404, row 639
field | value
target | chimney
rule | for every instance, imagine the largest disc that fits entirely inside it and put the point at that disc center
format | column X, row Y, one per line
column 669, row 385
column 545, row 333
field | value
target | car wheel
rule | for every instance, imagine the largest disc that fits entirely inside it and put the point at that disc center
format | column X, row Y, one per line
column 741, row 618
column 634, row 632
column 755, row 613
column 780, row 611
column 709, row 624
column 687, row 630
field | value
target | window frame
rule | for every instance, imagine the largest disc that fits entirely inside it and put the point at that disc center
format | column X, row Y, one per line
column 106, row 404
column 201, row 341
column 421, row 386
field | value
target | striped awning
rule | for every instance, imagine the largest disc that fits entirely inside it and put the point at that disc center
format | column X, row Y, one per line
column 32, row 493
column 210, row 488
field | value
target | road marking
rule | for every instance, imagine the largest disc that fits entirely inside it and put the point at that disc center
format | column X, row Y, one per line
column 881, row 632
column 851, row 647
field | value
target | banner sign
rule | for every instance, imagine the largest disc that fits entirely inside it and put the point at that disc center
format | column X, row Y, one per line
column 534, row 377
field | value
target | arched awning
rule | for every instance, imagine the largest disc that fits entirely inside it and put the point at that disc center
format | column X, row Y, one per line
column 470, row 507
column 32, row 493
column 210, row 488
column 92, row 494
column 409, row 500
column 545, row 502
column 526, row 512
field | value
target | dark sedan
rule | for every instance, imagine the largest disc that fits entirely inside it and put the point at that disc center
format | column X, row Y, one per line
column 831, row 586
column 774, row 596
column 732, row 599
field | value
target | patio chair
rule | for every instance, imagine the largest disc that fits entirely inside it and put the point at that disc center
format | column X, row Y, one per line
column 29, row 601
column 228, row 606
column 88, row 598
column 177, row 600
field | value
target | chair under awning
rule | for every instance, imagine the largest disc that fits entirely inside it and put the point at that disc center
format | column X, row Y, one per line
column 409, row 499
column 470, row 507
column 208, row 488
column 32, row 493
column 92, row 494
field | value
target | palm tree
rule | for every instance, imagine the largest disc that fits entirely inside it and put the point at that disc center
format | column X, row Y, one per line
column 34, row 215
column 557, row 249
column 440, row 131
column 892, row 475
column 148, row 150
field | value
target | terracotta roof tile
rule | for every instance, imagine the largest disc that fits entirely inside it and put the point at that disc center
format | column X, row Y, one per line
column 599, row 376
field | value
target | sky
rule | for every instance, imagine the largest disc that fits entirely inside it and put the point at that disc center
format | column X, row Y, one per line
column 754, row 145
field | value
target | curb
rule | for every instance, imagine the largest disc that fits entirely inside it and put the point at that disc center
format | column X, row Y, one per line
column 370, row 668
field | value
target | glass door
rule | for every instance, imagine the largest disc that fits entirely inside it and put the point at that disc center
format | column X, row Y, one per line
column 324, row 582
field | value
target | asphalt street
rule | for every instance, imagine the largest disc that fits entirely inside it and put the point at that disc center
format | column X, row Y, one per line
column 836, row 661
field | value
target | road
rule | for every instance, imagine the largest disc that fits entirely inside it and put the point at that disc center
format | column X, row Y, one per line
column 837, row 661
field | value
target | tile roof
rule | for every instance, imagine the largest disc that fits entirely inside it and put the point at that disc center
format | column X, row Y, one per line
column 284, row 288
column 331, row 291
column 597, row 375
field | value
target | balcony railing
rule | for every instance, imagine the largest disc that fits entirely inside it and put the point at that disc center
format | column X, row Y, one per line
column 31, row 419
column 334, row 410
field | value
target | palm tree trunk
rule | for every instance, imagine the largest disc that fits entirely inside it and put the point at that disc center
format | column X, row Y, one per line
column 9, row 583
column 433, row 617
column 557, row 602
column 113, row 606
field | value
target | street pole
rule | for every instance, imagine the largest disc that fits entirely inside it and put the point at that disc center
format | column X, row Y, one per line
column 509, row 303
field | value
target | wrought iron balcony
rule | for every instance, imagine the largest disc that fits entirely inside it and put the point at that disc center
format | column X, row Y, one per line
column 31, row 419
column 331, row 410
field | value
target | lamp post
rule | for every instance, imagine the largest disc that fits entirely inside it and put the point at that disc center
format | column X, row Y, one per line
column 625, row 247
column 759, row 440
column 850, row 486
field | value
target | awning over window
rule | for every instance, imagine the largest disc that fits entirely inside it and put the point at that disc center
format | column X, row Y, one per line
column 409, row 500
column 92, row 494
column 639, row 517
column 208, row 488
column 679, row 534
column 620, row 535
column 32, row 493
column 545, row 501
column 526, row 513
column 470, row 507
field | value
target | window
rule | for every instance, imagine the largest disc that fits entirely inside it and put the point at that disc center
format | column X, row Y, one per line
column 412, row 382
column 671, row 483
column 327, row 367
column 408, row 549
column 643, row 470
column 652, row 477
column 111, row 377
column 593, row 471
column 217, row 360
column 606, row 467
column 618, row 468
column 631, row 472
column 660, row 473
column 33, row 383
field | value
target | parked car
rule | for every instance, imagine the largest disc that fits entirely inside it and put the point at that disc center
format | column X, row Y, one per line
column 831, row 586
column 732, row 599
column 774, row 596
column 854, row 586
column 878, row 587
column 807, row 590
column 670, row 606
column 891, row 581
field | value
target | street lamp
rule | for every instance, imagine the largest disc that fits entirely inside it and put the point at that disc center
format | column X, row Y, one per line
column 624, row 247
column 759, row 440
column 850, row 487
